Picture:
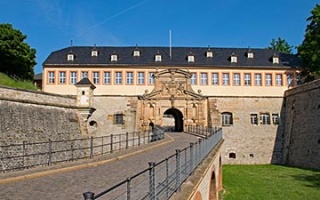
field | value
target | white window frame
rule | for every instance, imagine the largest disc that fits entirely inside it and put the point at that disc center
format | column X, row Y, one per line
column 118, row 78
column 107, row 77
column 204, row 78
column 191, row 58
column 73, row 77
column 250, row 55
column 268, row 79
column 215, row 78
column 141, row 78
column 225, row 79
column 234, row 59
column 136, row 53
column 70, row 57
column 236, row 79
column 94, row 53
column 275, row 60
column 129, row 79
column 114, row 58
column 151, row 77
column 279, row 79
column 275, row 118
column 264, row 118
column 247, row 79
column 95, row 77
column 209, row 54
column 158, row 58
column 257, row 80
column 51, row 78
column 226, row 119
column 62, row 77
column 254, row 119
column 193, row 78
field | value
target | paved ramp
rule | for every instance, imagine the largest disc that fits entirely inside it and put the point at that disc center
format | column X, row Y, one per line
column 70, row 182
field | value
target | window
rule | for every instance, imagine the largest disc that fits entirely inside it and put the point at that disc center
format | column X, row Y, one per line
column 70, row 57
column 250, row 54
column 95, row 77
column 158, row 58
column 129, row 80
column 275, row 60
column 151, row 77
column 209, row 54
column 257, row 79
column 215, row 78
column 94, row 53
column 194, row 78
column 73, row 77
column 236, row 79
column 289, row 79
column 232, row 155
column 136, row 53
column 191, row 58
column 254, row 119
column 204, row 78
column 51, row 77
column 62, row 77
column 118, row 119
column 268, row 80
column 226, row 119
column 247, row 79
column 106, row 77
column 114, row 58
column 234, row 58
column 279, row 79
column 118, row 78
column 225, row 79
column 264, row 118
column 140, row 78
column 275, row 118
column 84, row 74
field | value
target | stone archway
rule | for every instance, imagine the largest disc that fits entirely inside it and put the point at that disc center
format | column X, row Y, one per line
column 213, row 187
column 178, row 118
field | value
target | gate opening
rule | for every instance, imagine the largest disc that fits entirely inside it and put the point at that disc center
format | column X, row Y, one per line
column 173, row 120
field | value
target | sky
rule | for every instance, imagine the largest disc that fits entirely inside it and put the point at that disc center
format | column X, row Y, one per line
column 51, row 25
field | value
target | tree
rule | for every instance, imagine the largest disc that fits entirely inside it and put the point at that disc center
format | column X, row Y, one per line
column 280, row 45
column 17, row 58
column 309, row 50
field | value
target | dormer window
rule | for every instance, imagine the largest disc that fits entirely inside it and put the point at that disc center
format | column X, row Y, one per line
column 70, row 57
column 250, row 54
column 158, row 58
column 136, row 53
column 275, row 59
column 209, row 54
column 94, row 53
column 190, row 58
column 234, row 58
column 114, row 57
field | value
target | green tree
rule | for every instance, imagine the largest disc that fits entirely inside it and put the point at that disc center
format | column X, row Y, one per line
column 309, row 50
column 17, row 58
column 280, row 45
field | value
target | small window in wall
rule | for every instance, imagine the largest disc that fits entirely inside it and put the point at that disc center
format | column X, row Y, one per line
column 114, row 58
column 226, row 119
column 264, row 118
column 254, row 119
column 70, row 57
column 83, row 92
column 275, row 118
column 118, row 119
column 158, row 58
column 93, row 124
column 232, row 155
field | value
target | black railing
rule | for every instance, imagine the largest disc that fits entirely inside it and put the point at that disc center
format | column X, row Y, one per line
column 162, row 179
column 201, row 130
column 28, row 155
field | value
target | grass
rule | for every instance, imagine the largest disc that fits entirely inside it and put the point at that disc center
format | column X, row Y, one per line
column 270, row 182
column 21, row 84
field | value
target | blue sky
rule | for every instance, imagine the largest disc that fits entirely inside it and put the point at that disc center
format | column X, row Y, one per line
column 51, row 24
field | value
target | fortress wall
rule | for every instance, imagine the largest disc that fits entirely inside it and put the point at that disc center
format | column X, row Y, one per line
column 302, row 126
column 252, row 144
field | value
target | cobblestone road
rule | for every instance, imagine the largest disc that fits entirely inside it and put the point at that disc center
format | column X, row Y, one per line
column 69, row 185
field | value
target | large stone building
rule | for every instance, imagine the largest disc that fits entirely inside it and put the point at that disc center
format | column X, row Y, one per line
column 236, row 88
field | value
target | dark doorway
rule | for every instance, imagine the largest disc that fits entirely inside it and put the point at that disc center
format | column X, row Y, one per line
column 178, row 119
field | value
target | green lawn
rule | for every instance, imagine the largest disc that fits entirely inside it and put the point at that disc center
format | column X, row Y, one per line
column 259, row 182
column 7, row 81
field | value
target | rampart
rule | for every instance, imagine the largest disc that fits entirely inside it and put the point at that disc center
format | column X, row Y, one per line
column 302, row 127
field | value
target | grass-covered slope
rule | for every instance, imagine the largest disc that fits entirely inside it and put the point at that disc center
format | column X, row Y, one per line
column 7, row 81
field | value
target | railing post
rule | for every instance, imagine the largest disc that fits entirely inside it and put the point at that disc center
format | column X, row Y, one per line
column 139, row 138
column 178, row 170
column 199, row 151
column 49, row 152
column 191, row 158
column 111, row 143
column 91, row 147
column 127, row 140
column 88, row 196
column 167, row 178
column 152, row 181
column 128, row 188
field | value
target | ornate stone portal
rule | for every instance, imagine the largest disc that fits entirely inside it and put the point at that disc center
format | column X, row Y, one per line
column 172, row 95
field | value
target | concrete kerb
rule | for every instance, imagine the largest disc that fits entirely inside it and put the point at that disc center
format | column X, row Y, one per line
column 86, row 165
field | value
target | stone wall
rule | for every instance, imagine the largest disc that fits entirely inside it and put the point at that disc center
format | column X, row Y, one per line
column 102, row 121
column 302, row 126
column 251, row 144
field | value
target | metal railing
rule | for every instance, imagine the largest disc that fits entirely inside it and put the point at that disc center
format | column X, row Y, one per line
column 162, row 179
column 28, row 155
column 201, row 130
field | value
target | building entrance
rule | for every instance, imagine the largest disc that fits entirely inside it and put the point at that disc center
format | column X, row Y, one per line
column 177, row 117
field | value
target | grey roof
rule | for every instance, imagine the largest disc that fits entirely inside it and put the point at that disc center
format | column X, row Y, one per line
column 85, row 82
column 221, row 57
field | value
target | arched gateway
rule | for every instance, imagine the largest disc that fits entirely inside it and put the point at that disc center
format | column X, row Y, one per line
column 172, row 95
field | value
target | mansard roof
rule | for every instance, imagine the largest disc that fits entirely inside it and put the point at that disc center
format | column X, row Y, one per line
column 221, row 57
